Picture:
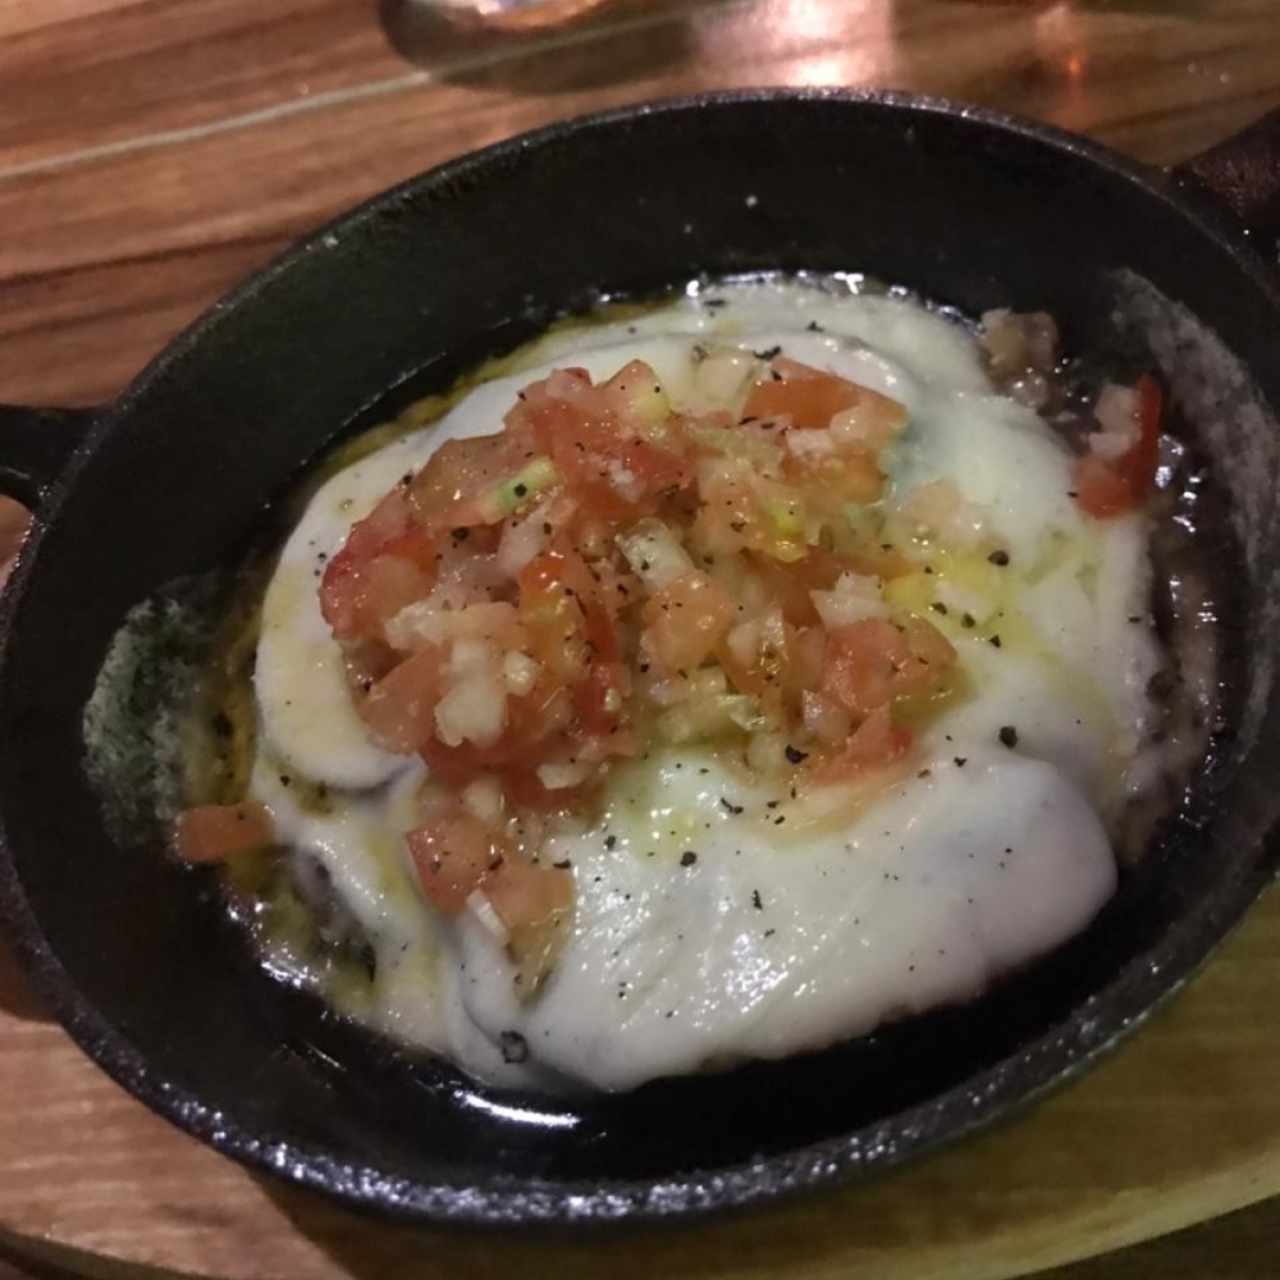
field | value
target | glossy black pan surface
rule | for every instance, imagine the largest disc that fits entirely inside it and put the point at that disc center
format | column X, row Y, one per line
column 972, row 209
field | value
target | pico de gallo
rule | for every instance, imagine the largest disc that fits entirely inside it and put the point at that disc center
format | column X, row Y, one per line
column 611, row 571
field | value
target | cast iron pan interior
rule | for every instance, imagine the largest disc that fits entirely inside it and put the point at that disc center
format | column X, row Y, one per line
column 973, row 210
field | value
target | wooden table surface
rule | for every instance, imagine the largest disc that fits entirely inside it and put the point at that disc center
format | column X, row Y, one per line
column 153, row 151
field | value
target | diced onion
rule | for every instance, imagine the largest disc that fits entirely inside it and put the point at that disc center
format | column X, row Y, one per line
column 521, row 541
column 482, row 909
column 472, row 656
column 1117, row 414
column 655, row 554
column 474, row 708
column 773, row 631
column 707, row 682
column 666, row 693
column 811, row 444
column 766, row 752
column 853, row 598
column 722, row 375
column 520, row 672
column 708, row 717
column 427, row 622
column 869, row 424
column 559, row 777
column 744, row 642
column 623, row 481
column 939, row 508
column 483, row 799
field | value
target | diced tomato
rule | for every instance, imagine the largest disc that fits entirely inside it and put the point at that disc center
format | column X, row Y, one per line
column 872, row 662
column 808, row 396
column 392, row 518
column 416, row 547
column 613, row 464
column 1100, row 489
column 456, row 855
column 389, row 582
column 745, row 511
column 524, row 789
column 807, row 650
column 1109, row 487
column 853, row 476
column 618, row 588
column 534, row 901
column 399, row 711
column 535, row 723
column 861, row 663
column 453, row 854
column 687, row 620
column 600, row 698
column 770, row 662
column 387, row 561
column 552, row 614
column 790, row 584
column 456, row 489
column 876, row 743
column 216, row 832
column 572, row 633
column 932, row 656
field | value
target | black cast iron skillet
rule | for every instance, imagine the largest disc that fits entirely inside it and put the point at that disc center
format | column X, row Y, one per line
column 973, row 209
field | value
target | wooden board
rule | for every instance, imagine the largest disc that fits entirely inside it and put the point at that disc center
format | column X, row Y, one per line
column 153, row 151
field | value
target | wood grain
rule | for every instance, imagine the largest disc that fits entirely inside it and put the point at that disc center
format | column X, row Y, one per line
column 148, row 218
column 154, row 151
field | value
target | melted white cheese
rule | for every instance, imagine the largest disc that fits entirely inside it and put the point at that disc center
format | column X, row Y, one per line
column 763, row 947
column 955, row 875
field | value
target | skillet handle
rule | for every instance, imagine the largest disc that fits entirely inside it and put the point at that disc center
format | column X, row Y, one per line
column 1244, row 174
column 35, row 445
